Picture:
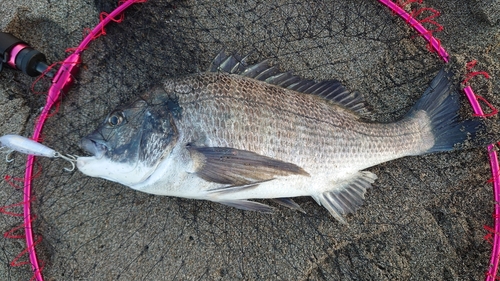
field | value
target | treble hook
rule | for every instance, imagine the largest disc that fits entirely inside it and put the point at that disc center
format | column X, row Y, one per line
column 7, row 157
column 68, row 157
column 9, row 152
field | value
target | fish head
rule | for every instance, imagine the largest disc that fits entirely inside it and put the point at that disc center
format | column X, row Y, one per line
column 132, row 140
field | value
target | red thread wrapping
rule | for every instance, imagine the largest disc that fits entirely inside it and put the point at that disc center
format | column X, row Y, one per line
column 16, row 261
column 14, row 234
column 3, row 209
column 430, row 19
column 11, row 233
column 403, row 4
column 17, row 232
column 489, row 237
column 38, row 271
column 494, row 277
column 12, row 180
column 475, row 73
column 490, row 275
column 470, row 65
column 493, row 112
column 136, row 1
column 88, row 31
column 42, row 77
column 74, row 50
column 57, row 104
column 471, row 74
column 491, row 233
column 102, row 15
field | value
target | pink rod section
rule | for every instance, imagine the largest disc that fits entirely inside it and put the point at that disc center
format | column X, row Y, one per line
column 60, row 84
column 473, row 101
column 495, row 252
column 419, row 27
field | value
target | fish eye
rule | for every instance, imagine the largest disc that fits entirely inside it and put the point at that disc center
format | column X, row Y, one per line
column 116, row 118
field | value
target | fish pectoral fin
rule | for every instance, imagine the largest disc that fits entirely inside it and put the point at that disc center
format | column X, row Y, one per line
column 348, row 195
column 236, row 167
column 247, row 205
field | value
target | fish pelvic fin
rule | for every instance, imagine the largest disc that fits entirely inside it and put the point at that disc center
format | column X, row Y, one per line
column 247, row 205
column 441, row 104
column 348, row 195
column 289, row 203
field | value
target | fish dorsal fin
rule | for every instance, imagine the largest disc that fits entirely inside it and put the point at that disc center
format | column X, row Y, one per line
column 232, row 64
column 330, row 90
column 348, row 195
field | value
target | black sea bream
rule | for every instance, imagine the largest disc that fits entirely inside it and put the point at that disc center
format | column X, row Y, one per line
column 239, row 132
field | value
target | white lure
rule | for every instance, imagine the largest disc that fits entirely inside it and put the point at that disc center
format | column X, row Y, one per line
column 29, row 146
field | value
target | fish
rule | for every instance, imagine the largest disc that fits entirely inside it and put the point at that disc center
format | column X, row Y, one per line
column 239, row 132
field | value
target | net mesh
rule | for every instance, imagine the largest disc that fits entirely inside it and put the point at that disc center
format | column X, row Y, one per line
column 423, row 220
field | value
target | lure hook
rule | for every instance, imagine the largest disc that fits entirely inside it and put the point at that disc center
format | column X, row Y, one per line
column 68, row 157
column 7, row 157
column 9, row 153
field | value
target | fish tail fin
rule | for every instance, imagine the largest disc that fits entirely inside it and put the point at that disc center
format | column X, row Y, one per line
column 441, row 104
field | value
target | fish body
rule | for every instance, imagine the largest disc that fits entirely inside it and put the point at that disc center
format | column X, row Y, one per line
column 239, row 132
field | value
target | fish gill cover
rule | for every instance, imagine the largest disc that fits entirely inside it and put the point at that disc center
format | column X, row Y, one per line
column 422, row 220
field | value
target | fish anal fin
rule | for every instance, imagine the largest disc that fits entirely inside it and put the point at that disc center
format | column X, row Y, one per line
column 348, row 195
column 237, row 167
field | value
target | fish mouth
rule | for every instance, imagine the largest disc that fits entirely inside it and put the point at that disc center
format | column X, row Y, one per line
column 97, row 148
